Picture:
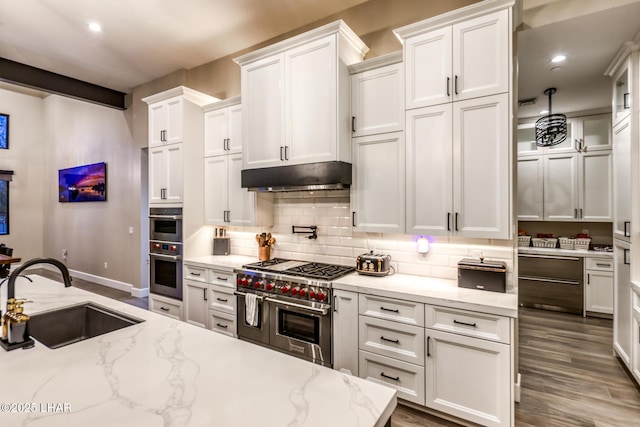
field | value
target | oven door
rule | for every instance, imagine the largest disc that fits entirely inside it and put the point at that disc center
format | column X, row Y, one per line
column 167, row 228
column 301, row 331
column 259, row 333
column 166, row 275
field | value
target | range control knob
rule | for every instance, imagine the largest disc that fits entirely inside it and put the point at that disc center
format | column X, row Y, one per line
column 239, row 281
column 257, row 284
column 321, row 296
column 269, row 286
column 294, row 291
column 284, row 289
column 312, row 294
column 302, row 293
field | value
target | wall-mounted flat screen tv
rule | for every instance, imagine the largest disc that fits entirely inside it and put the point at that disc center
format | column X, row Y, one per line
column 87, row 183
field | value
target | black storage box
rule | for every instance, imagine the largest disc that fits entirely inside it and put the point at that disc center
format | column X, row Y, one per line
column 481, row 274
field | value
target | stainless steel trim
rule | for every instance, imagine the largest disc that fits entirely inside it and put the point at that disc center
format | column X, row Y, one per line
column 171, row 257
column 322, row 311
column 242, row 294
column 542, row 279
column 564, row 258
column 166, row 216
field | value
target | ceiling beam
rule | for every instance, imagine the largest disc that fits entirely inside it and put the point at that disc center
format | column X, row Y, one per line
column 36, row 78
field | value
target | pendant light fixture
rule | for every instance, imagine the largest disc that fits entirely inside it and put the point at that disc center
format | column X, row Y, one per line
column 552, row 128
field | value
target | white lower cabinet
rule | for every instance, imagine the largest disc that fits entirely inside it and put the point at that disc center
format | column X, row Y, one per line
column 635, row 335
column 222, row 323
column 166, row 306
column 622, row 302
column 345, row 331
column 196, row 303
column 598, row 285
column 468, row 377
column 402, row 342
column 407, row 378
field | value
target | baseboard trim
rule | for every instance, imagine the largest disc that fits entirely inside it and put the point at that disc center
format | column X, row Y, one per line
column 110, row 283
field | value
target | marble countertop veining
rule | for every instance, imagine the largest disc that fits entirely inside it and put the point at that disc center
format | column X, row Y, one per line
column 163, row 372
column 430, row 290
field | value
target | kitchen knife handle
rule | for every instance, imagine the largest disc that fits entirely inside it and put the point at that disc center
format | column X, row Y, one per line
column 353, row 123
column 448, row 86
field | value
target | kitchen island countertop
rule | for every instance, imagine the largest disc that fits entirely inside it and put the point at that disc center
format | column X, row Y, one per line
column 166, row 372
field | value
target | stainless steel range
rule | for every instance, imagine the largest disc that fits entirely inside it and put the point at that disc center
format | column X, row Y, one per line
column 286, row 305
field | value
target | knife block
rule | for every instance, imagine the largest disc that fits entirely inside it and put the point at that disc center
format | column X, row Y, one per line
column 221, row 246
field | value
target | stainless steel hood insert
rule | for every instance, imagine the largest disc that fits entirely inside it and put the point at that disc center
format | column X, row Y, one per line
column 305, row 177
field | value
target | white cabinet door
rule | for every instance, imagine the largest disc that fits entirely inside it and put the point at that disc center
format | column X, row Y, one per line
column 345, row 332
column 263, row 112
column 157, row 124
column 378, row 168
column 311, row 102
column 481, row 56
column 594, row 132
column 635, row 335
column 468, row 378
column 196, row 305
column 622, row 301
column 429, row 70
column 376, row 101
column 165, row 174
column 622, row 83
column 215, row 189
column 174, row 109
column 530, row 188
column 595, row 186
column 234, row 129
column 622, row 180
column 599, row 291
column 561, row 187
column 429, row 170
column 481, row 158
column 241, row 201
column 215, row 132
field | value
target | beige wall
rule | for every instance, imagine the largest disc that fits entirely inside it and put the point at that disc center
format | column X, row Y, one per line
column 26, row 158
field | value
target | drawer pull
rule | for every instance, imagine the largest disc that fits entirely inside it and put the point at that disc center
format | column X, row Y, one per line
column 390, row 309
column 388, row 340
column 473, row 325
column 391, row 378
column 164, row 309
column 194, row 274
column 222, row 299
column 221, row 278
column 604, row 265
column 220, row 325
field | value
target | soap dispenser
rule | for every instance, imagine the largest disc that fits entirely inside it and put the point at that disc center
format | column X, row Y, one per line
column 17, row 325
column 11, row 305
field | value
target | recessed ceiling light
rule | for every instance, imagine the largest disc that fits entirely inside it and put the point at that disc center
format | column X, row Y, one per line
column 558, row 58
column 95, row 27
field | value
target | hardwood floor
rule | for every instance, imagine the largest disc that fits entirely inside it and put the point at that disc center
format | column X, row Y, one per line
column 570, row 377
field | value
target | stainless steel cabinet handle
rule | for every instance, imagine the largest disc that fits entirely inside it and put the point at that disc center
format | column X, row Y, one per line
column 166, row 216
column 242, row 294
column 322, row 311
column 391, row 378
column 544, row 279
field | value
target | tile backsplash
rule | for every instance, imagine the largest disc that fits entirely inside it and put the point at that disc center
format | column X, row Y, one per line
column 338, row 243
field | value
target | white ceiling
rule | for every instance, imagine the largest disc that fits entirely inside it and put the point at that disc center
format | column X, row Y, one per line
column 590, row 42
column 144, row 39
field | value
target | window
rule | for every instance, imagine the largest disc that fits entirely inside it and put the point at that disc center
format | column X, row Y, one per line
column 4, row 207
column 4, row 131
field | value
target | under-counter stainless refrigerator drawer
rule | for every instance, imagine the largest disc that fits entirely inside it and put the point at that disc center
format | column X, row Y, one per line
column 551, row 282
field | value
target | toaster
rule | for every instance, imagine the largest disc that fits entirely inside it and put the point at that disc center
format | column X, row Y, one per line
column 373, row 264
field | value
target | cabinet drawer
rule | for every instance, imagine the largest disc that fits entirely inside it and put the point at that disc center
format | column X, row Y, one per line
column 169, row 309
column 392, row 339
column 198, row 274
column 598, row 264
column 479, row 325
column 408, row 379
column 222, row 278
column 411, row 313
column 222, row 322
column 222, row 299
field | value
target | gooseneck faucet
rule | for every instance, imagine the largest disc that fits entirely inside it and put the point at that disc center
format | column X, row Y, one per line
column 11, row 284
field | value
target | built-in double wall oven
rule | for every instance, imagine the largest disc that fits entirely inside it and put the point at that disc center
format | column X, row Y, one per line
column 165, row 252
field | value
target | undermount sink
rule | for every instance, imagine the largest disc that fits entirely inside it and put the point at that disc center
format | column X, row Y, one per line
column 68, row 325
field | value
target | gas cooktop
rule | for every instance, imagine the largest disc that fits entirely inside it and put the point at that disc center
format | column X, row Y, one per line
column 311, row 270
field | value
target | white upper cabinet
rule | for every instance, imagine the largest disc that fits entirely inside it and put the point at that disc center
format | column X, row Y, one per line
column 530, row 188
column 622, row 85
column 377, row 101
column 165, row 122
column 296, row 96
column 378, row 168
column 465, row 60
column 165, row 174
column 222, row 128
column 457, row 181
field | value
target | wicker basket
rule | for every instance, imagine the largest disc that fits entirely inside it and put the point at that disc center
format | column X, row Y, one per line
column 550, row 242
column 582, row 243
column 566, row 243
column 524, row 241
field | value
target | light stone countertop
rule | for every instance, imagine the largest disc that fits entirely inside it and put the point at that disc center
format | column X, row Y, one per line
column 163, row 372
column 565, row 252
column 430, row 290
column 221, row 262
